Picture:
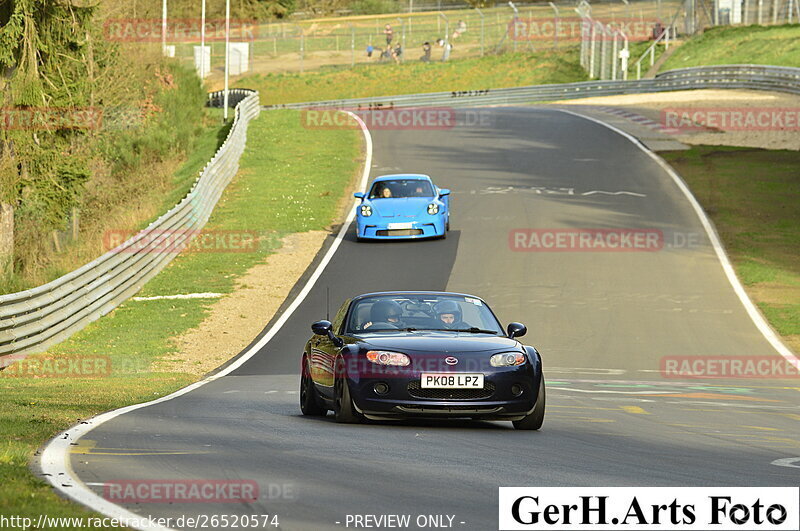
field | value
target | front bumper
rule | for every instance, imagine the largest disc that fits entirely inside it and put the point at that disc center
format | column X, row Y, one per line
column 369, row 228
column 406, row 399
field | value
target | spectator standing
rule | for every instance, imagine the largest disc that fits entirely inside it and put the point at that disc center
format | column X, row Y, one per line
column 426, row 52
column 461, row 28
column 389, row 32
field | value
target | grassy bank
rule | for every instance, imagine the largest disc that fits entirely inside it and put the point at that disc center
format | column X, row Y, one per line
column 762, row 45
column 388, row 79
column 290, row 180
column 751, row 195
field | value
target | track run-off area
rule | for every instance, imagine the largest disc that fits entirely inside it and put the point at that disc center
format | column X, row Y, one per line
column 608, row 321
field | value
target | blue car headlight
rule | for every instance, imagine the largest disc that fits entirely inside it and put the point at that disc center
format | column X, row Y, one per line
column 366, row 211
column 433, row 209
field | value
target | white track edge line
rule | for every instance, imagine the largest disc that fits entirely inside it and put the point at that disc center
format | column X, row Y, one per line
column 54, row 462
column 761, row 323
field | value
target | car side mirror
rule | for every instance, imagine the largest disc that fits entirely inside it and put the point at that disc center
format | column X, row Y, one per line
column 443, row 192
column 325, row 328
column 516, row 330
column 359, row 195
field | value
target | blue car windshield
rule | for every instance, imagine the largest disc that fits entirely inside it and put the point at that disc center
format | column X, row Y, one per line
column 399, row 188
column 451, row 313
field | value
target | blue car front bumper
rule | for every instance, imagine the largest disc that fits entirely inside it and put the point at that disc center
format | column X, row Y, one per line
column 368, row 228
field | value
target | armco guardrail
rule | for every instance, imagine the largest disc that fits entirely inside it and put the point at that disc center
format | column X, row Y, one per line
column 34, row 319
column 774, row 78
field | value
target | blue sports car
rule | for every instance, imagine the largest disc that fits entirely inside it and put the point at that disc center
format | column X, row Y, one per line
column 403, row 206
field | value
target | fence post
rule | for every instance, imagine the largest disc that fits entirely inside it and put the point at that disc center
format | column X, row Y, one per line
column 774, row 12
column 482, row 17
column 6, row 238
column 760, row 12
column 603, row 53
column 592, row 46
column 614, row 57
column 555, row 32
column 302, row 50
column 352, row 46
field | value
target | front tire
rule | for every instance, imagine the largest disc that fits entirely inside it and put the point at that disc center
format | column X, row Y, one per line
column 309, row 401
column 343, row 409
column 535, row 420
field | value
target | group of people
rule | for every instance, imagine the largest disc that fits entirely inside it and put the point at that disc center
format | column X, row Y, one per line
column 396, row 52
column 389, row 52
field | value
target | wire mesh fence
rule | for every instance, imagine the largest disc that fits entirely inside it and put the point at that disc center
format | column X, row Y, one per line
column 349, row 41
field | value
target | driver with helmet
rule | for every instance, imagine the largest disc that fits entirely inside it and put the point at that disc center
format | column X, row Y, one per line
column 384, row 315
column 449, row 313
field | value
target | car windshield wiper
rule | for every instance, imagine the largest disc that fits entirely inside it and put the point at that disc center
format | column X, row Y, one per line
column 474, row 330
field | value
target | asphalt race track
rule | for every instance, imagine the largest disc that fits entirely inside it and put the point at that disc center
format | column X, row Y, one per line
column 602, row 320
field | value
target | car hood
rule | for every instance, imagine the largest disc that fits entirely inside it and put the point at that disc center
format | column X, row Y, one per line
column 401, row 206
column 445, row 342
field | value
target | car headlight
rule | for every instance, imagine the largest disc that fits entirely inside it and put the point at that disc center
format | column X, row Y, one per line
column 507, row 359
column 433, row 209
column 383, row 357
column 366, row 211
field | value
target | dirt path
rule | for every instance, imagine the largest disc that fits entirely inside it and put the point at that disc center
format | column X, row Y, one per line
column 236, row 319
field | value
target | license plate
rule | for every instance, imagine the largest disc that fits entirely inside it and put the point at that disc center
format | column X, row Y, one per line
column 393, row 226
column 451, row 381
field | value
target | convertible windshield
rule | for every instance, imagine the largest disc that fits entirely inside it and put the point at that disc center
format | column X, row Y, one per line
column 452, row 313
column 399, row 188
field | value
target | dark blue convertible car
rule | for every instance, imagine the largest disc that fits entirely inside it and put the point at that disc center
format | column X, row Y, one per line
column 403, row 206
column 421, row 354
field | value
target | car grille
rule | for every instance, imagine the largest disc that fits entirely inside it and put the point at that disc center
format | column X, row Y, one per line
column 399, row 232
column 416, row 391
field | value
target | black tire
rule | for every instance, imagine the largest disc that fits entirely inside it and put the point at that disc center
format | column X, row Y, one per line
column 343, row 409
column 309, row 401
column 447, row 225
column 535, row 420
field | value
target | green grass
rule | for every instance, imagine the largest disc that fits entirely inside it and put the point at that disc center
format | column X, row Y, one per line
column 752, row 197
column 763, row 45
column 290, row 180
column 388, row 79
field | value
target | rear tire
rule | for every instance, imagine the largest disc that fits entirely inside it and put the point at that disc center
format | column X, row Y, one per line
column 343, row 409
column 535, row 420
column 309, row 401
